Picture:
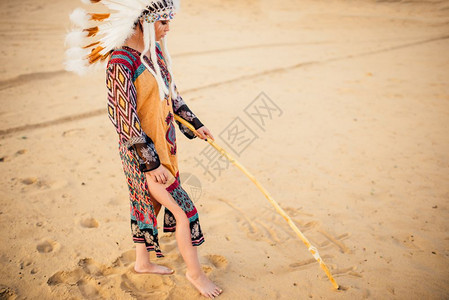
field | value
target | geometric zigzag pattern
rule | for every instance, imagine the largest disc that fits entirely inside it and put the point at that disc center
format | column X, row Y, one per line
column 122, row 105
column 144, row 226
column 122, row 111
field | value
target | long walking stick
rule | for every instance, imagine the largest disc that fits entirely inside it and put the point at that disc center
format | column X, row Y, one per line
column 279, row 209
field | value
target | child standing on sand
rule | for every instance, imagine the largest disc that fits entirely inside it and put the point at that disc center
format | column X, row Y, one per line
column 142, row 101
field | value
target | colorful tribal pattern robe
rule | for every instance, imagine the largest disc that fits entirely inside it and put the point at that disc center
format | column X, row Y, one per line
column 147, row 139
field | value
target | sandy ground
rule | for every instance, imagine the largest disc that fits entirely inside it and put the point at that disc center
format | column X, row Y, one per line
column 355, row 149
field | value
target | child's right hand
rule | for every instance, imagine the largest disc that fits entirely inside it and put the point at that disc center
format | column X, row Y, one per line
column 160, row 175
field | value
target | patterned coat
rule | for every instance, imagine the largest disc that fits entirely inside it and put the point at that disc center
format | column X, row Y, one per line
column 147, row 139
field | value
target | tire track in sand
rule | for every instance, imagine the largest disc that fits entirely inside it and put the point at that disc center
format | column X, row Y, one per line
column 38, row 76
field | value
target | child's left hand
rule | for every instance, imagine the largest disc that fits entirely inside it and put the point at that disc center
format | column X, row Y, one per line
column 204, row 133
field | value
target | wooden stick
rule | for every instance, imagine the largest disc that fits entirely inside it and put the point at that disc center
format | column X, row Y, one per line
column 279, row 209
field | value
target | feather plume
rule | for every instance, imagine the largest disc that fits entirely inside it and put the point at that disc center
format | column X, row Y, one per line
column 77, row 53
column 114, row 29
column 177, row 5
column 95, row 55
column 94, row 58
column 92, row 31
column 76, row 60
column 132, row 5
column 79, row 17
column 96, row 50
column 91, row 45
column 106, row 56
column 75, row 38
column 78, row 66
column 99, row 17
column 115, row 33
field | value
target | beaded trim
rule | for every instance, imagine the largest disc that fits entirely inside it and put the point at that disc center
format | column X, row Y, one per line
column 152, row 17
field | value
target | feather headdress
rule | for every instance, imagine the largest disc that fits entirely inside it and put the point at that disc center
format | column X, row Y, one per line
column 95, row 35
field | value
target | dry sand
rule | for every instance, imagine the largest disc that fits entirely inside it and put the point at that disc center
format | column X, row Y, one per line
column 357, row 154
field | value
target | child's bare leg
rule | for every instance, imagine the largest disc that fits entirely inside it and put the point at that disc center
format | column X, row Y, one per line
column 143, row 263
column 156, row 206
column 189, row 253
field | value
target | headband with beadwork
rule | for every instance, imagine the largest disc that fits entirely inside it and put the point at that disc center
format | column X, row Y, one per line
column 95, row 35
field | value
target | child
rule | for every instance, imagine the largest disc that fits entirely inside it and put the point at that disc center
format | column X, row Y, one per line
column 142, row 101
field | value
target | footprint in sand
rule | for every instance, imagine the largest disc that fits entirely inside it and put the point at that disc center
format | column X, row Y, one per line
column 124, row 260
column 25, row 263
column 148, row 286
column 29, row 180
column 213, row 262
column 218, row 261
column 21, row 152
column 73, row 132
column 62, row 277
column 90, row 266
column 89, row 223
column 47, row 246
column 115, row 201
column 38, row 185
column 93, row 280
column 6, row 158
column 169, row 244
column 88, row 288
column 7, row 293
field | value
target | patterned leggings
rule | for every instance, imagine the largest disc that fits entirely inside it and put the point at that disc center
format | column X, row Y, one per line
column 143, row 218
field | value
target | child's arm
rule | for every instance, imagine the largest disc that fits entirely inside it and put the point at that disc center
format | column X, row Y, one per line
column 122, row 112
column 181, row 109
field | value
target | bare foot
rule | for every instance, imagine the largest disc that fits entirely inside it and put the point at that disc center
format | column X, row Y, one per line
column 151, row 268
column 203, row 284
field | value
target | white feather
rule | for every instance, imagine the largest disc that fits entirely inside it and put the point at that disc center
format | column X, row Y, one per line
column 112, row 34
column 82, row 67
column 75, row 38
column 115, row 34
column 76, row 53
column 130, row 6
column 101, row 65
column 168, row 59
column 177, row 5
column 78, row 66
column 79, row 17
column 149, row 38
column 120, row 25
